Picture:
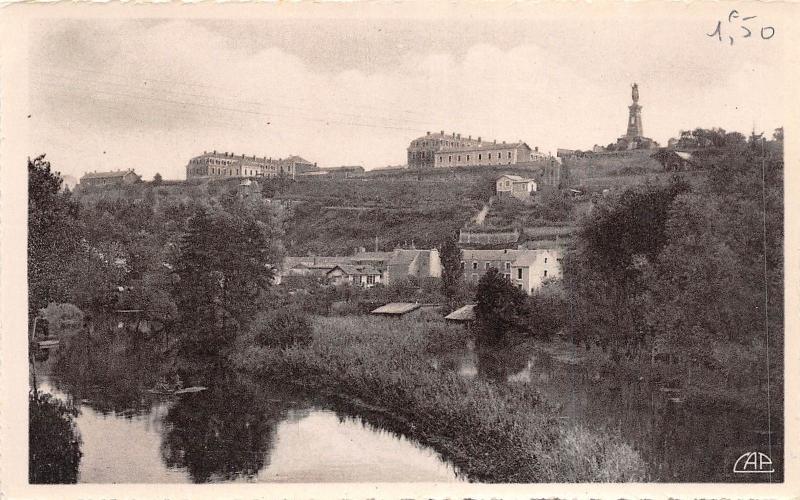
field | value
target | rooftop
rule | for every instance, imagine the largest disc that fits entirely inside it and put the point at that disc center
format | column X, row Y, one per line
column 466, row 313
column 107, row 175
column 397, row 308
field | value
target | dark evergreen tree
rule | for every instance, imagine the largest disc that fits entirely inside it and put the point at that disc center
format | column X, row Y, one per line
column 500, row 313
column 452, row 274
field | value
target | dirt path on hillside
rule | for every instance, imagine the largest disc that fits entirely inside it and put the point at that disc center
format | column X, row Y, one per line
column 480, row 216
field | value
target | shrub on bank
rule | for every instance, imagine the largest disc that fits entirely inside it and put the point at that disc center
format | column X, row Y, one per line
column 54, row 446
column 281, row 327
column 492, row 432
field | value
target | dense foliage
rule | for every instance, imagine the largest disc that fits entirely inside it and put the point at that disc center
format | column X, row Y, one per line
column 686, row 273
column 54, row 446
column 501, row 310
column 280, row 327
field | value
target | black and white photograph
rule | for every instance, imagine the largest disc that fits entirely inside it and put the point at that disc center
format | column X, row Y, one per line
column 464, row 244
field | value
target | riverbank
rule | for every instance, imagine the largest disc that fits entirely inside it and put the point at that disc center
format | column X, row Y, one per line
column 491, row 432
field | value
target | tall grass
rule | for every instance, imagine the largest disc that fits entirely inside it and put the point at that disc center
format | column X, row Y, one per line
column 491, row 432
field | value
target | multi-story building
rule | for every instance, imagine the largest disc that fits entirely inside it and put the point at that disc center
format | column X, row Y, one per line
column 214, row 164
column 115, row 178
column 488, row 154
column 422, row 150
column 527, row 269
column 453, row 150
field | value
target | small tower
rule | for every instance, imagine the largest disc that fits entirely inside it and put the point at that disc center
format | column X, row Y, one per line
column 635, row 115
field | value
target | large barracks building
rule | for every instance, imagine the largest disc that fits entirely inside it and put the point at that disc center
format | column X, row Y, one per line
column 214, row 164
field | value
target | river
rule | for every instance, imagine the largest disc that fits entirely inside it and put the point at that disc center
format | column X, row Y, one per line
column 251, row 433
column 682, row 439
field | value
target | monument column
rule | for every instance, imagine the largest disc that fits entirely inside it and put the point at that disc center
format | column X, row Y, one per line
column 635, row 115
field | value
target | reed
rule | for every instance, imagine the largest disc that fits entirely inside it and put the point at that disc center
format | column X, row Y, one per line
column 490, row 432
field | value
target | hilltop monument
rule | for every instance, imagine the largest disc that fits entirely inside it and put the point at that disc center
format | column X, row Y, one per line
column 634, row 138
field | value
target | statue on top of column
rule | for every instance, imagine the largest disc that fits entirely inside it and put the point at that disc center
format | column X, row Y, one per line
column 635, row 93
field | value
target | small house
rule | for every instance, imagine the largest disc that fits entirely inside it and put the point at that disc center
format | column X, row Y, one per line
column 516, row 186
column 348, row 274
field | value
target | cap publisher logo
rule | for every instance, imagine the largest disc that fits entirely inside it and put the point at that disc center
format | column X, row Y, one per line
column 753, row 462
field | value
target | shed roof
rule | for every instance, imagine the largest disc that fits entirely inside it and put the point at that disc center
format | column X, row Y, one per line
column 466, row 313
column 397, row 308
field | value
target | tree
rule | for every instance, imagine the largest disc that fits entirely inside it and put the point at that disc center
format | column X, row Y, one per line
column 224, row 269
column 500, row 310
column 157, row 180
column 603, row 274
column 54, row 235
column 452, row 274
column 778, row 134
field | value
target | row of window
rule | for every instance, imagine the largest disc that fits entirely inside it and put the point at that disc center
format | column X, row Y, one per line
column 480, row 157
column 447, row 144
column 508, row 275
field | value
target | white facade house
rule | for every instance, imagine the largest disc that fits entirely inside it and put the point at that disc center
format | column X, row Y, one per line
column 516, row 186
column 532, row 267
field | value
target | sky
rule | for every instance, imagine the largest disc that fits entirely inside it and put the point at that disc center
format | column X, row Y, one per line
column 149, row 94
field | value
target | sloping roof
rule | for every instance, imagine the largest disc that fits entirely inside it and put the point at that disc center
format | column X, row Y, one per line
column 314, row 262
column 484, row 146
column 504, row 254
column 397, row 308
column 108, row 175
column 353, row 270
column 510, row 176
column 529, row 257
column 684, row 155
column 466, row 313
column 403, row 257
column 372, row 256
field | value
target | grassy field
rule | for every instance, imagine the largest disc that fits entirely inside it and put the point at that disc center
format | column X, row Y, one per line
column 491, row 432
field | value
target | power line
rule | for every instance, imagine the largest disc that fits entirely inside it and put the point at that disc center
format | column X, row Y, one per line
column 230, row 109
column 240, row 101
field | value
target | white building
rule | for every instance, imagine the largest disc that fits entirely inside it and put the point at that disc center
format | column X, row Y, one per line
column 532, row 267
column 516, row 186
column 526, row 269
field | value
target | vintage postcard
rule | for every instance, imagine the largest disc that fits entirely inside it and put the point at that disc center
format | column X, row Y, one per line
column 400, row 250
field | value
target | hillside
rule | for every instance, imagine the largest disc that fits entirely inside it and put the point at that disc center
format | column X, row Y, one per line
column 389, row 209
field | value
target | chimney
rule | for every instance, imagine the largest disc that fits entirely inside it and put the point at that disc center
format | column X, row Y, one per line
column 215, row 151
column 536, row 148
column 495, row 141
column 504, row 142
column 442, row 132
column 479, row 138
column 458, row 136
column 454, row 135
column 470, row 138
column 427, row 133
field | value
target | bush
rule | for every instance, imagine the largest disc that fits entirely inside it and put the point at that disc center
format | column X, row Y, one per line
column 54, row 450
column 281, row 328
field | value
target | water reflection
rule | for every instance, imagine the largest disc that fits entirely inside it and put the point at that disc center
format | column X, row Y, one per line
column 683, row 439
column 238, row 430
column 222, row 433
